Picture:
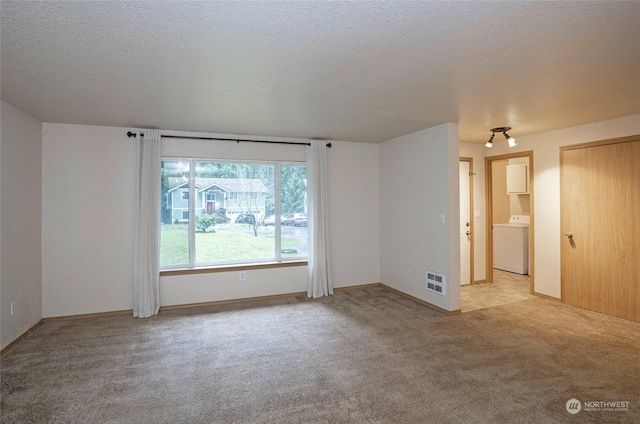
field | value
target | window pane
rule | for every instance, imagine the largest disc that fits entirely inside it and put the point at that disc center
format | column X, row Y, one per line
column 293, row 207
column 230, row 204
column 174, row 215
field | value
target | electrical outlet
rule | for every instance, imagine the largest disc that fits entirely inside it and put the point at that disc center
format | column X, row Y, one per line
column 408, row 272
column 243, row 275
column 13, row 308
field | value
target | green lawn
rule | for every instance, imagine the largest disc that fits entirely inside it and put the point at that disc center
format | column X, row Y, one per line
column 218, row 246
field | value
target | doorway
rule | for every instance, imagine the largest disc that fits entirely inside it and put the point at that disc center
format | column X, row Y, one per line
column 513, row 201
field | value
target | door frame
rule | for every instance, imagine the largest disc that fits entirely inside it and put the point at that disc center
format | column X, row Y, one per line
column 471, row 217
column 488, row 161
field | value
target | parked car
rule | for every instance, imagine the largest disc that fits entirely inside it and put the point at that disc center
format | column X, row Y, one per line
column 286, row 220
column 300, row 220
column 271, row 220
column 245, row 218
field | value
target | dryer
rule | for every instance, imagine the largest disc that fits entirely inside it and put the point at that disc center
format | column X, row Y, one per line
column 511, row 245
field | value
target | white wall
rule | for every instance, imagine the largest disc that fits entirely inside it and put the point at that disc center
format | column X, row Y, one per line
column 20, row 218
column 353, row 220
column 476, row 151
column 87, row 243
column 546, row 175
column 419, row 183
column 87, row 217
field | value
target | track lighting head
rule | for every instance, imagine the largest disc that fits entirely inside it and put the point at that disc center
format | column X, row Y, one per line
column 489, row 143
column 503, row 130
column 510, row 140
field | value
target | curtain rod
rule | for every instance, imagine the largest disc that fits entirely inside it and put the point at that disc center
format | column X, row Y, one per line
column 132, row 134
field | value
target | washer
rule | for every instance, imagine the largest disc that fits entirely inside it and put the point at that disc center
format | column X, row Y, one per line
column 511, row 245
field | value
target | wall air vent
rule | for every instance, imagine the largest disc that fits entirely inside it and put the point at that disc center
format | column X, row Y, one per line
column 436, row 282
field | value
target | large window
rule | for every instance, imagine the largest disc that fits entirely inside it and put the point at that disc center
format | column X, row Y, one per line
column 232, row 213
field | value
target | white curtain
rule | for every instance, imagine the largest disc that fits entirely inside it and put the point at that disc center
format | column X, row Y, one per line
column 320, row 282
column 146, row 293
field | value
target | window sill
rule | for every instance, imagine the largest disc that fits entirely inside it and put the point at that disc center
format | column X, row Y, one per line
column 230, row 268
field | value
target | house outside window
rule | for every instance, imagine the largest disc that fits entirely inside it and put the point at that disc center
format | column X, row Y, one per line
column 233, row 205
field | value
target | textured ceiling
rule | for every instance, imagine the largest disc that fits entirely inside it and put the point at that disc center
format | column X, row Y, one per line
column 360, row 71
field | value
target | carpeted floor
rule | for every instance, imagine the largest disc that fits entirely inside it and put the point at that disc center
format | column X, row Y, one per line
column 360, row 356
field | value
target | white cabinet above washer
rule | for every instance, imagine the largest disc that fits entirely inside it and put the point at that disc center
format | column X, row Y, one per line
column 517, row 182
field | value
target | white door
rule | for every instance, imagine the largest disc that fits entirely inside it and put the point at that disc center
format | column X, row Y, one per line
column 465, row 224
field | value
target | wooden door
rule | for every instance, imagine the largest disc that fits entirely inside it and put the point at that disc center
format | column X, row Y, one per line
column 600, row 246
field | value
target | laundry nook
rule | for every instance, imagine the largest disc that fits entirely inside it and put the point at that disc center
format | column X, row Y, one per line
column 511, row 245
column 511, row 215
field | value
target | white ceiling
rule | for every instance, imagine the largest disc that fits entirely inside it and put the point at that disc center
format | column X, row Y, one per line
column 360, row 71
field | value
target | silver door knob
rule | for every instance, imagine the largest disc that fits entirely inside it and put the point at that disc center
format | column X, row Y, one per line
column 568, row 235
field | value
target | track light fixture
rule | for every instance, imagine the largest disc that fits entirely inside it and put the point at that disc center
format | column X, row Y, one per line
column 503, row 130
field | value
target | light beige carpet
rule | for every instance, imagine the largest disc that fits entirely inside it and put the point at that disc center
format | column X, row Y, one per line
column 360, row 356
